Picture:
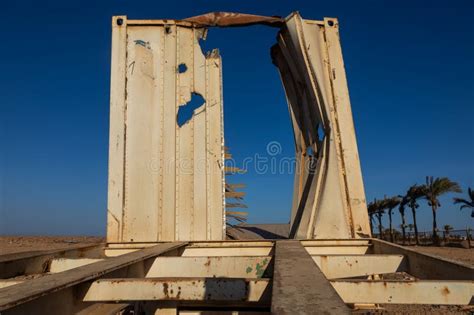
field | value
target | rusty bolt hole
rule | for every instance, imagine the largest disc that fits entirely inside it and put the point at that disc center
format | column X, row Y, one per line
column 119, row 22
column 331, row 23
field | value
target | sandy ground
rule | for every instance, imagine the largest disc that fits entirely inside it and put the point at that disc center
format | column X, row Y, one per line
column 16, row 244
column 458, row 254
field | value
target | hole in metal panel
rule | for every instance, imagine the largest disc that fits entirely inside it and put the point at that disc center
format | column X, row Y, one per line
column 182, row 68
column 185, row 112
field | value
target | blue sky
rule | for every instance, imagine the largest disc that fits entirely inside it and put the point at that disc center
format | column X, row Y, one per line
column 410, row 72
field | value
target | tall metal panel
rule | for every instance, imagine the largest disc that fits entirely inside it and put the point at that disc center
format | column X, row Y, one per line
column 165, row 179
column 328, row 199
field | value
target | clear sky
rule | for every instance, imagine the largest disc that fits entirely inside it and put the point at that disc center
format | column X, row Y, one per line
column 410, row 72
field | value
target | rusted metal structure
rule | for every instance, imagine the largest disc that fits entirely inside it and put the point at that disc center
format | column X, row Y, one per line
column 166, row 180
column 165, row 250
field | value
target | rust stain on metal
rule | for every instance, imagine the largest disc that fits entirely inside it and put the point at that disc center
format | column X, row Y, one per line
column 445, row 291
column 232, row 19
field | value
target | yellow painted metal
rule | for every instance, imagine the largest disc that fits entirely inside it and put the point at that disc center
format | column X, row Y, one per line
column 165, row 179
column 328, row 198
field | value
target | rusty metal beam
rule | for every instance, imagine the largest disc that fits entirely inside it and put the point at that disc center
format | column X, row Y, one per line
column 231, row 291
column 347, row 266
column 338, row 249
column 406, row 292
column 36, row 288
column 226, row 19
column 34, row 262
column 211, row 266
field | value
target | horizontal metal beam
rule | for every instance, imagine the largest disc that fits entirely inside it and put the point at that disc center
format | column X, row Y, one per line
column 62, row 264
column 406, row 292
column 227, row 267
column 233, row 267
column 32, row 262
column 229, row 290
column 347, row 266
column 8, row 282
column 202, row 249
column 335, row 242
column 338, row 249
column 33, row 289
column 227, row 251
column 425, row 266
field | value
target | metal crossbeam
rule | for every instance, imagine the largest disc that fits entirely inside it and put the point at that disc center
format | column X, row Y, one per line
column 406, row 292
column 347, row 266
column 33, row 289
column 230, row 290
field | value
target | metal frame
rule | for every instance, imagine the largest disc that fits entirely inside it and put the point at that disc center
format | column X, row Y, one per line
column 231, row 275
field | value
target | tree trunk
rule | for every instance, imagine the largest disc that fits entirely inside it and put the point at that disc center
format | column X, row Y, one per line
column 402, row 213
column 435, row 227
column 390, row 224
column 413, row 211
column 371, row 218
column 379, row 217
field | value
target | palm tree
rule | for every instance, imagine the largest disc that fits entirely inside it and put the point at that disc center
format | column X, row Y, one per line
column 414, row 193
column 410, row 228
column 401, row 208
column 376, row 208
column 371, row 209
column 433, row 189
column 390, row 204
column 467, row 203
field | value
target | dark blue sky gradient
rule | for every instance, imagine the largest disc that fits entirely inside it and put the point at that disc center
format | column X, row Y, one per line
column 409, row 65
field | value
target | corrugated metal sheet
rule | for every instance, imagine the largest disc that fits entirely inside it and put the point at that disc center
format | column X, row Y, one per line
column 328, row 199
column 165, row 181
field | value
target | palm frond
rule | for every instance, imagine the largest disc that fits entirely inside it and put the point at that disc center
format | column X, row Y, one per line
column 435, row 187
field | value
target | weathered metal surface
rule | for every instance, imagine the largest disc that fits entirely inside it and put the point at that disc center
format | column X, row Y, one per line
column 211, row 267
column 166, row 183
column 13, row 265
column 335, row 242
column 227, row 290
column 425, row 266
column 36, row 288
column 338, row 249
column 406, row 292
column 299, row 286
column 224, row 19
column 328, row 197
column 63, row 264
column 347, row 266
column 165, row 179
column 295, row 276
